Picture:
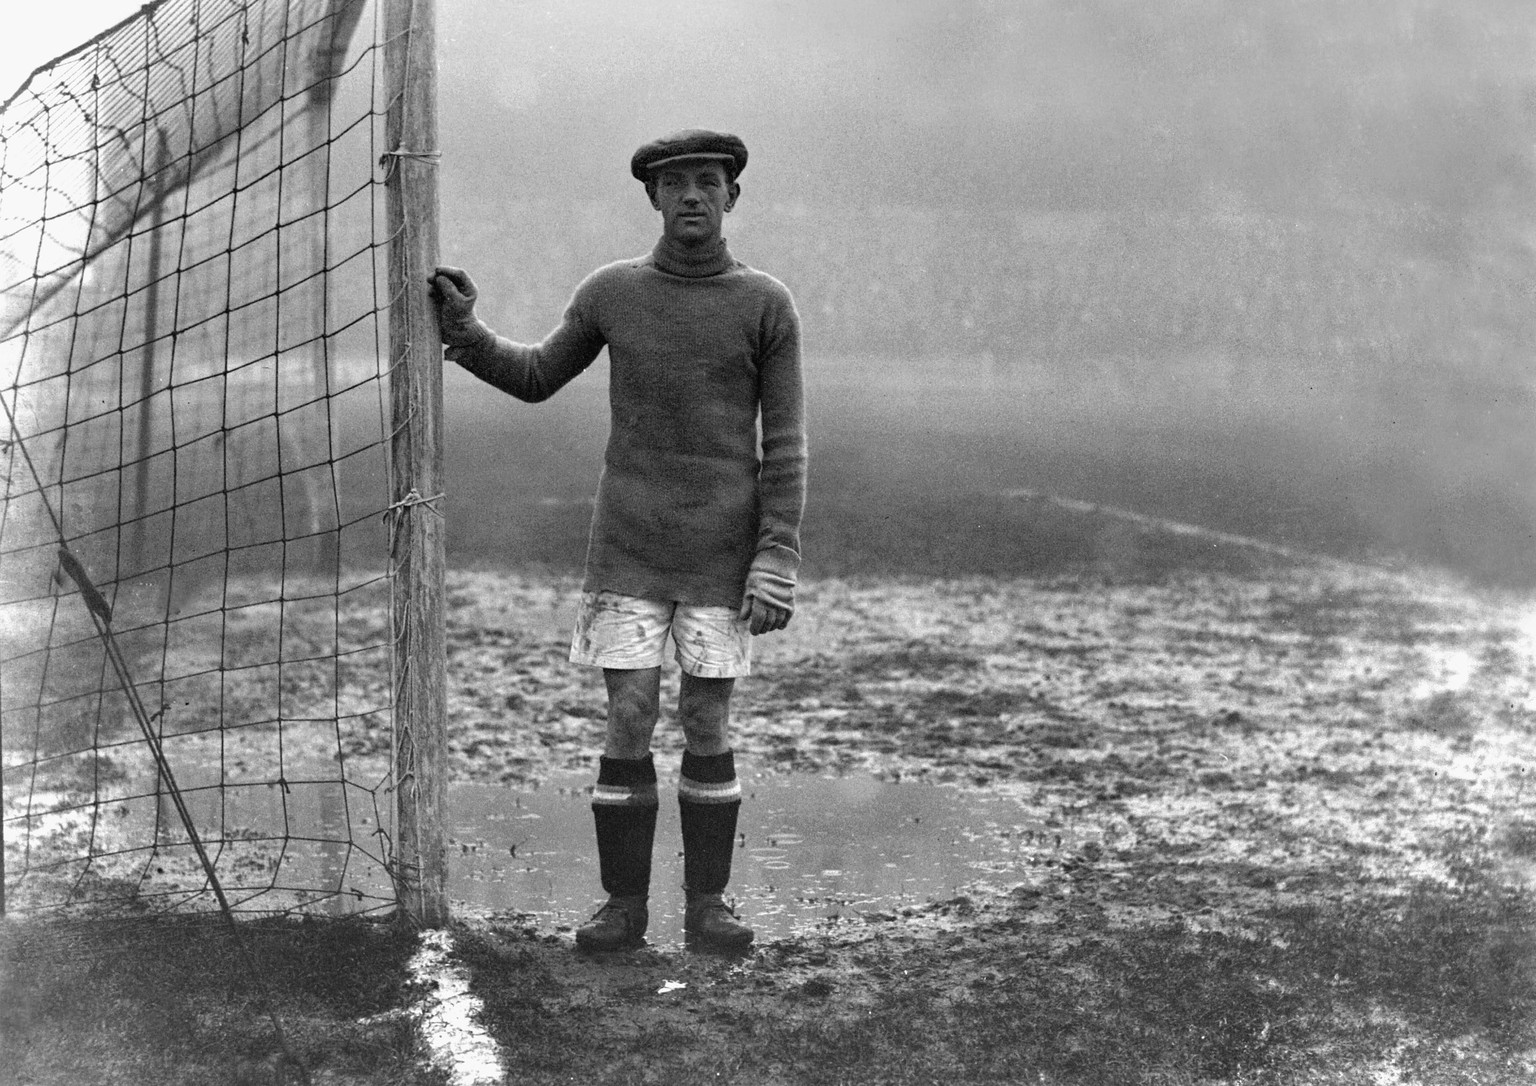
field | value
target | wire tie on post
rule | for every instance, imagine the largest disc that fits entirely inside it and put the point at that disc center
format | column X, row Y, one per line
column 414, row 498
column 389, row 159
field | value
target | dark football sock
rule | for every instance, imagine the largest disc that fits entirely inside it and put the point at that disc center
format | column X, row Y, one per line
column 709, row 801
column 624, row 808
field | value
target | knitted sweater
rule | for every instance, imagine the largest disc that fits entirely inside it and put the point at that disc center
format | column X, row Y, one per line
column 700, row 348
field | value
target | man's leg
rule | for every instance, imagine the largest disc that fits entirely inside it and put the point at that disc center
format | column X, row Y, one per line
column 709, row 800
column 634, row 706
column 624, row 806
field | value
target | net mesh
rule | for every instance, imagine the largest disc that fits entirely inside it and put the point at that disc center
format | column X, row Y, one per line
column 195, row 535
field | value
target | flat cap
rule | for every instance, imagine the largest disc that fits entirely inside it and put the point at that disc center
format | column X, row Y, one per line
column 689, row 143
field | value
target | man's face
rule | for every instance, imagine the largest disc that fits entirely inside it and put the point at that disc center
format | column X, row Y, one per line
column 693, row 196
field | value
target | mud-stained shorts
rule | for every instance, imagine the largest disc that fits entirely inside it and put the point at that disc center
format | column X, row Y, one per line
column 628, row 633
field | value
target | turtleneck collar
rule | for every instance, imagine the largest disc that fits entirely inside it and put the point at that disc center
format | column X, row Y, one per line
column 708, row 260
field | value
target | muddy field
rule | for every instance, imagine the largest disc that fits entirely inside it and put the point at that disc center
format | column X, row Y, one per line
column 1315, row 847
column 1319, row 836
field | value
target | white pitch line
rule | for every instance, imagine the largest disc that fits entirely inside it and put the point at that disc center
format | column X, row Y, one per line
column 448, row 1017
column 1175, row 527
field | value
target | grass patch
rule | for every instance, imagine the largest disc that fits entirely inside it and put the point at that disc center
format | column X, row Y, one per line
column 914, row 658
column 1161, row 1001
column 1454, row 959
column 1446, row 713
column 969, row 703
column 1321, row 988
column 167, row 1000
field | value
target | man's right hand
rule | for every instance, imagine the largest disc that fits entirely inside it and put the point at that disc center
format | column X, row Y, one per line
column 454, row 293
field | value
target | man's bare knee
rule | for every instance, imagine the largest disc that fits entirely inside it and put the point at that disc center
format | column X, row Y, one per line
column 704, row 711
column 633, row 707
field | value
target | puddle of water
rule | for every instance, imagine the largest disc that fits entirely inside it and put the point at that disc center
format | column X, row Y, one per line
column 274, row 848
column 809, row 849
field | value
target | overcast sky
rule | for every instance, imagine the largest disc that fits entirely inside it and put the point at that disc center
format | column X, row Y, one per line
column 1085, row 101
column 35, row 33
column 1427, row 99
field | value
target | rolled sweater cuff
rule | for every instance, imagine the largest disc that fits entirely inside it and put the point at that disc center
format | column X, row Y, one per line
column 772, row 577
column 465, row 339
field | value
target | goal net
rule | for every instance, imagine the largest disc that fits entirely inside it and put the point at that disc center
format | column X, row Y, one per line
column 196, row 588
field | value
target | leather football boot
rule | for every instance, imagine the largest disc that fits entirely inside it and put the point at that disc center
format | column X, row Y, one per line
column 710, row 921
column 620, row 923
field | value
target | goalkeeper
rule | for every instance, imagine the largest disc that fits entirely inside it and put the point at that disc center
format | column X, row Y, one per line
column 696, row 530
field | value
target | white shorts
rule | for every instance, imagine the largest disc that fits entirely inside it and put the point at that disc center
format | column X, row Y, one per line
column 628, row 633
